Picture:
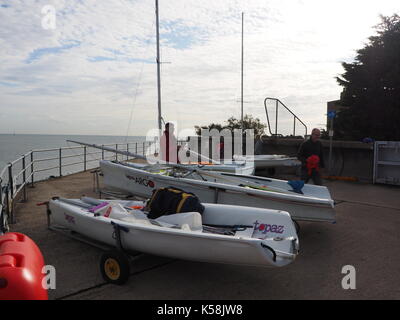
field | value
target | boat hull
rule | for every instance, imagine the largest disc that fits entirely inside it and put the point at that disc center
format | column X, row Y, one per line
column 142, row 183
column 269, row 161
column 240, row 168
column 184, row 244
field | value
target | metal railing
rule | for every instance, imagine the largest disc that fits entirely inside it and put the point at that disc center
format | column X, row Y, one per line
column 41, row 164
column 277, row 104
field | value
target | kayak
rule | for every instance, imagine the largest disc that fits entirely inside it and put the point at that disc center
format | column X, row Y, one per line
column 311, row 203
column 221, row 234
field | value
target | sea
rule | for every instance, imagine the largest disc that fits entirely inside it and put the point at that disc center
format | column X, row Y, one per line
column 13, row 146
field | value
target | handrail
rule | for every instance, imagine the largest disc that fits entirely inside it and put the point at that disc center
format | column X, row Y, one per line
column 80, row 147
column 278, row 102
column 18, row 174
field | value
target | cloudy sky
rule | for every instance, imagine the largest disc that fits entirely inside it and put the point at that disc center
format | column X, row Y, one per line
column 90, row 68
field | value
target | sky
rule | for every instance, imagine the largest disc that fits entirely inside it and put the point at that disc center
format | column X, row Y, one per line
column 88, row 67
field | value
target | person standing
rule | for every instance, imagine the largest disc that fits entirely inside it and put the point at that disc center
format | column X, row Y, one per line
column 260, row 143
column 169, row 144
column 221, row 150
column 312, row 158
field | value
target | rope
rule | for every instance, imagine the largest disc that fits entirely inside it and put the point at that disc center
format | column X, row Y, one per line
column 137, row 88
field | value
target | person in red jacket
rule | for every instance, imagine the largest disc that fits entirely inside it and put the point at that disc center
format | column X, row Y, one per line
column 221, row 149
column 169, row 145
column 312, row 158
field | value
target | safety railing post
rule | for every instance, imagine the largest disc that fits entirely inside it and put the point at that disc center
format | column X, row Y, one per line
column 10, row 180
column 102, row 152
column 143, row 147
column 9, row 210
column 24, row 176
column 1, row 191
column 32, row 172
column 276, row 119
column 2, row 222
column 10, row 194
column 84, row 158
column 127, row 150
column 3, row 208
column 116, row 154
column 294, row 126
column 60, row 161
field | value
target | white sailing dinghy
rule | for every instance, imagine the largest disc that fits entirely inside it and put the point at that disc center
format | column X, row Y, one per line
column 221, row 234
column 245, row 164
column 311, row 203
column 237, row 167
column 196, row 160
column 232, row 166
column 264, row 161
column 314, row 203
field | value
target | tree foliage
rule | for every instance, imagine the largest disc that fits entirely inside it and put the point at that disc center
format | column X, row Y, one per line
column 372, row 87
column 232, row 123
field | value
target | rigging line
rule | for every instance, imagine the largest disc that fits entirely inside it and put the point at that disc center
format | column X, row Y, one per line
column 137, row 87
column 161, row 76
column 134, row 102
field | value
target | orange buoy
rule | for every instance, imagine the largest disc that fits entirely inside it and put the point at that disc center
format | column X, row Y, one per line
column 21, row 265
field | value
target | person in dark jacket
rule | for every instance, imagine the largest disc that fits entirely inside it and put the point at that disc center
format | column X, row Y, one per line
column 258, row 147
column 312, row 159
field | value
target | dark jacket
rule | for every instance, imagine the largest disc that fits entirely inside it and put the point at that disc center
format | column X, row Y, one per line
column 258, row 148
column 309, row 148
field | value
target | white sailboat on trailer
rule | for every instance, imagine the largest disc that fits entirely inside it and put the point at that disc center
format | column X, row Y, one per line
column 263, row 161
column 239, row 166
column 237, row 235
column 311, row 203
column 314, row 203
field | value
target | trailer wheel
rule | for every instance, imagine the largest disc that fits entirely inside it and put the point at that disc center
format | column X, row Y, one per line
column 114, row 267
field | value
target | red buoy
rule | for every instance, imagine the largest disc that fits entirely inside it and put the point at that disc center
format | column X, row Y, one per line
column 21, row 266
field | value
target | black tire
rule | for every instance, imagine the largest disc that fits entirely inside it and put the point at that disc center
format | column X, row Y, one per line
column 114, row 267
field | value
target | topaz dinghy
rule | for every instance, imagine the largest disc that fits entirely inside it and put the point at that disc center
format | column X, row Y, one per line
column 222, row 234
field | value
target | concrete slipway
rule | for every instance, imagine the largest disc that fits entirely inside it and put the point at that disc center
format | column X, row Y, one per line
column 366, row 236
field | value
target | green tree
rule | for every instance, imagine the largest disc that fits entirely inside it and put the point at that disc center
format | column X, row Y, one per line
column 372, row 87
column 232, row 123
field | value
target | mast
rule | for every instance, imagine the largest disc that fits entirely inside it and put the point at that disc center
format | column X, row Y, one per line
column 241, row 100
column 158, row 69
